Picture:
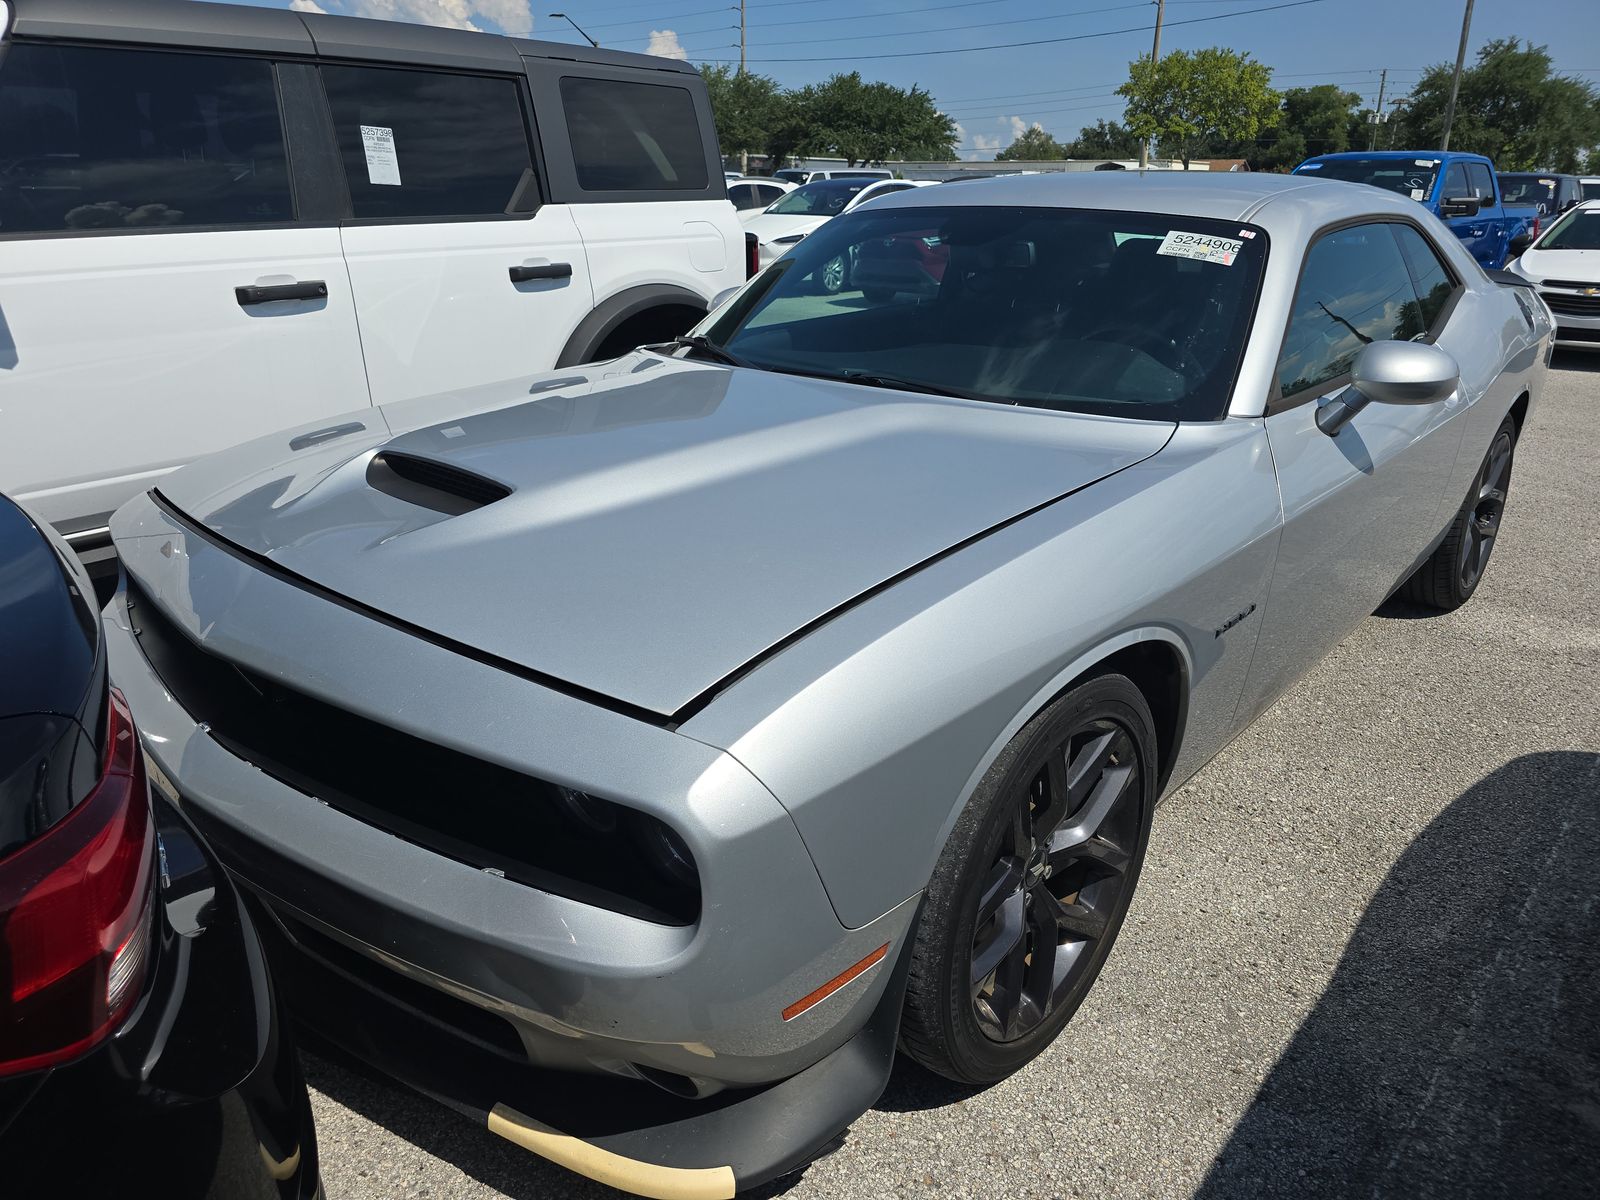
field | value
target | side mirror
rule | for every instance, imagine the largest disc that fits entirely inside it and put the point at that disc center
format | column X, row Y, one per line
column 1520, row 243
column 1391, row 373
column 1460, row 206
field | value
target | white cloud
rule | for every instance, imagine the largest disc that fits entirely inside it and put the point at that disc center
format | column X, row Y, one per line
column 664, row 44
column 307, row 6
column 510, row 16
column 456, row 14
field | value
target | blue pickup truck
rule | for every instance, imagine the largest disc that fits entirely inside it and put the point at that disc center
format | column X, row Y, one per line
column 1460, row 189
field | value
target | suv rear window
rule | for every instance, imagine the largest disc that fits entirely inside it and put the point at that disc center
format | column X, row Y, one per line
column 100, row 139
column 633, row 137
column 428, row 144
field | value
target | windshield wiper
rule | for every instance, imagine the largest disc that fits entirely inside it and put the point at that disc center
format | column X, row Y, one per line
column 698, row 341
column 873, row 379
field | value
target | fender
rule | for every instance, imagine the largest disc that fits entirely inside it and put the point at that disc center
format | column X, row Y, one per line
column 610, row 313
column 1081, row 665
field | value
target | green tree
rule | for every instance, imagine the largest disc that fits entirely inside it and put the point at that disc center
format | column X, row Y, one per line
column 1314, row 120
column 870, row 122
column 1105, row 139
column 1032, row 145
column 1511, row 108
column 745, row 106
column 1190, row 101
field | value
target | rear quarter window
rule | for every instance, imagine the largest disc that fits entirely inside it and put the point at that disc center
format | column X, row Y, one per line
column 633, row 137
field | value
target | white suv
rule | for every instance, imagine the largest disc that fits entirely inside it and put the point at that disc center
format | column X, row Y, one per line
column 219, row 221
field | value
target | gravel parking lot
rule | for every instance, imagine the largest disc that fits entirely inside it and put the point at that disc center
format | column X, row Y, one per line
column 1364, row 957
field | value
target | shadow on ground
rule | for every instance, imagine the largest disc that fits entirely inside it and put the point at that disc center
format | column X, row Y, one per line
column 1456, row 1052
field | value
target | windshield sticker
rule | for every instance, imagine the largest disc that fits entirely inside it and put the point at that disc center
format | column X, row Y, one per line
column 1417, row 193
column 1548, row 182
column 377, row 142
column 1247, row 233
column 1426, row 162
column 1200, row 246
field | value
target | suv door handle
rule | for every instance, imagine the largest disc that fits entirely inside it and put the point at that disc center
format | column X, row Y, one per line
column 542, row 271
column 255, row 293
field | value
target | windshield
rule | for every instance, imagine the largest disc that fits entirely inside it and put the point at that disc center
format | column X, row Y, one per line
column 1529, row 189
column 825, row 198
column 1409, row 176
column 1126, row 314
column 1578, row 230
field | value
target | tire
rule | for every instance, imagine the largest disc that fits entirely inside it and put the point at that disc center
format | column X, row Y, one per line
column 1453, row 571
column 834, row 275
column 986, row 903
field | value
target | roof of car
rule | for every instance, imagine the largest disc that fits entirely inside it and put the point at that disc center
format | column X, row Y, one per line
column 271, row 30
column 1226, row 195
column 1396, row 154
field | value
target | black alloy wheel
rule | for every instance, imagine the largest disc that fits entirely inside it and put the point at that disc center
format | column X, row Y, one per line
column 1033, row 885
column 1451, row 574
column 1057, row 882
column 1487, row 507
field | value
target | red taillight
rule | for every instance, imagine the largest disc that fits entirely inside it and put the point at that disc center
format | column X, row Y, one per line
column 75, row 914
column 752, row 255
column 1536, row 224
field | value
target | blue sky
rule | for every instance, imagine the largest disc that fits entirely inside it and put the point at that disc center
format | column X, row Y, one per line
column 1061, row 84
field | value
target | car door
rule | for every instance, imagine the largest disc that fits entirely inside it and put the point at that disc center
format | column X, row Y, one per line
column 164, row 289
column 1358, row 508
column 461, row 275
column 1474, row 230
column 1493, row 222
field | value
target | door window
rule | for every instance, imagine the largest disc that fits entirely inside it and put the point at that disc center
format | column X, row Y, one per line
column 633, row 137
column 1355, row 290
column 1482, row 183
column 101, row 139
column 1455, row 182
column 1435, row 285
column 429, row 144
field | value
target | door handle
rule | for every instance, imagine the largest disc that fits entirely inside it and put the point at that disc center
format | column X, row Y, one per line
column 542, row 271
column 1476, row 231
column 255, row 293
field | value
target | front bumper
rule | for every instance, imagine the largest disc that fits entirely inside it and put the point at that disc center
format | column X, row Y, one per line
column 1576, row 316
column 548, row 982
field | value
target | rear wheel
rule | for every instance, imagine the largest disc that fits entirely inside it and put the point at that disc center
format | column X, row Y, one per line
column 1452, row 572
column 835, row 274
column 1033, row 885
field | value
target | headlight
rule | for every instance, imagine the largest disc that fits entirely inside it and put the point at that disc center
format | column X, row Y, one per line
column 668, row 853
column 591, row 812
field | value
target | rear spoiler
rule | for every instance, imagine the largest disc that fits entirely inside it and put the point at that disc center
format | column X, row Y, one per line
column 1508, row 278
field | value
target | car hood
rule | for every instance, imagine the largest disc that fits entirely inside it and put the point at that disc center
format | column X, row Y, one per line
column 664, row 522
column 1581, row 266
column 776, row 225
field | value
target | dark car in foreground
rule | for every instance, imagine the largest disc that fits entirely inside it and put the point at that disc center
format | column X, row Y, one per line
column 141, row 1053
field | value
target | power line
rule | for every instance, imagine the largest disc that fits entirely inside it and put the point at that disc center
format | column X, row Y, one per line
column 900, row 33
column 1054, row 41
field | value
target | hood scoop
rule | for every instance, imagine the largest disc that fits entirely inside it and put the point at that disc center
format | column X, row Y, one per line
column 438, row 486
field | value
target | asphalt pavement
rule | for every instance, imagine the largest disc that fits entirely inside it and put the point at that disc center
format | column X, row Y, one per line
column 1364, row 958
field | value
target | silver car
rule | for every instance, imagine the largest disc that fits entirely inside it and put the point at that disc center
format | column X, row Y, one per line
column 634, row 757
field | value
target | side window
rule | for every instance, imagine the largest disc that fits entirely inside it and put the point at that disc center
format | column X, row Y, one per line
column 633, row 137
column 1455, row 182
column 769, row 194
column 428, row 144
column 1434, row 283
column 1482, row 182
column 95, row 138
column 1355, row 289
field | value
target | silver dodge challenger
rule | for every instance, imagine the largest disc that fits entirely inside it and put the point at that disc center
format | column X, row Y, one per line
column 635, row 757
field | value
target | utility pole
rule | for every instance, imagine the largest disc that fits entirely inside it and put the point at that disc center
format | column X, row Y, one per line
column 1155, row 57
column 1377, row 115
column 1455, row 82
column 744, row 155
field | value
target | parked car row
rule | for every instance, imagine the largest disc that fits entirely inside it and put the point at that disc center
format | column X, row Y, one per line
column 1564, row 264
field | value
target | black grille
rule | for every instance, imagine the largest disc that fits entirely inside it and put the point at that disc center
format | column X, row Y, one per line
column 431, row 484
column 1566, row 333
column 1570, row 283
column 1572, row 306
column 473, row 811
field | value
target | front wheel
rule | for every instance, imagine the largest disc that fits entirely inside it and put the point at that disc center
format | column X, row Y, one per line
column 834, row 275
column 1033, row 885
column 1452, row 573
